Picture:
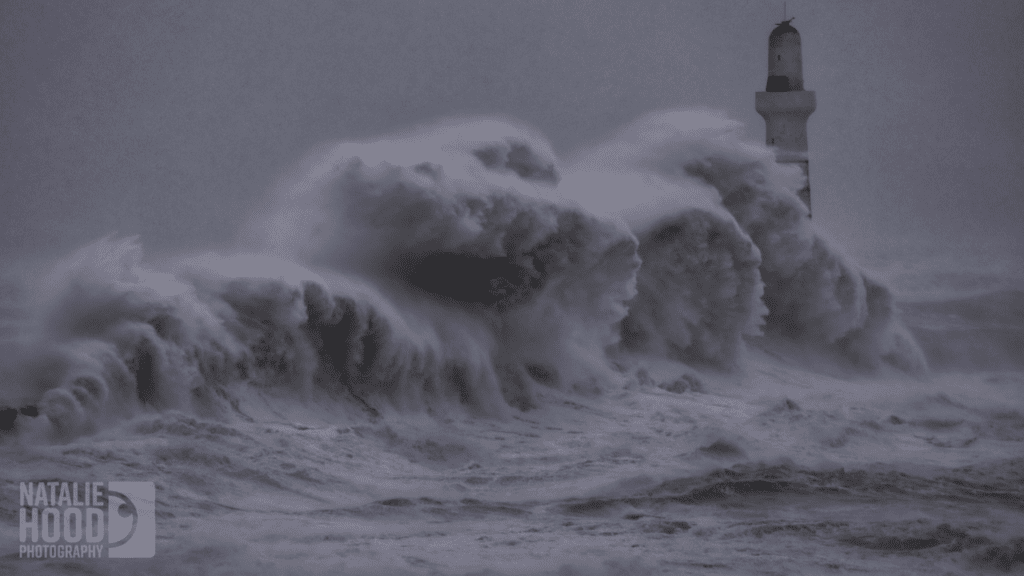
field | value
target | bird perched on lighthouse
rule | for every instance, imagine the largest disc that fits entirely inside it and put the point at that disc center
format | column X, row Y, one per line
column 785, row 105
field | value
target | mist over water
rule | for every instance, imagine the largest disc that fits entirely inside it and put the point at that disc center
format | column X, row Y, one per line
column 464, row 271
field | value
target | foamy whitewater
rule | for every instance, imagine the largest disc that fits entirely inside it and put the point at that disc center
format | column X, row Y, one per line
column 451, row 352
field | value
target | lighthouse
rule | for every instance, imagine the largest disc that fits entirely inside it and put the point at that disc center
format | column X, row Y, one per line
column 785, row 105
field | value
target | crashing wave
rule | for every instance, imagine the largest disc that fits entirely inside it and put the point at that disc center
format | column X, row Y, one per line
column 462, row 266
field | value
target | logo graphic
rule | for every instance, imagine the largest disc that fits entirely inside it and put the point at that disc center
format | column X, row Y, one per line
column 131, row 524
column 113, row 521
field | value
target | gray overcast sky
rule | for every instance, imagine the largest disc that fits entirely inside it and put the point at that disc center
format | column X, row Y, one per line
column 169, row 118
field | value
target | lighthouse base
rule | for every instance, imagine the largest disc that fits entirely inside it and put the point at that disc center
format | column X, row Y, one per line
column 805, row 191
column 785, row 115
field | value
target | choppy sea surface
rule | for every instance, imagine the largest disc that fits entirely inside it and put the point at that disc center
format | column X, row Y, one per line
column 450, row 352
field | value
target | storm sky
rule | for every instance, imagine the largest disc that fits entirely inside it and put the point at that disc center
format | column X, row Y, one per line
column 170, row 119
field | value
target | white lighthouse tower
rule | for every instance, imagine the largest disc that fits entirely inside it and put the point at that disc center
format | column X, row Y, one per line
column 785, row 105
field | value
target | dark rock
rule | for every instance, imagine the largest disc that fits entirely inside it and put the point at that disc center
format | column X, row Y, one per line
column 7, row 418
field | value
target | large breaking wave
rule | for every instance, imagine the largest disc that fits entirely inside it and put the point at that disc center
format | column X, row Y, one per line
column 462, row 267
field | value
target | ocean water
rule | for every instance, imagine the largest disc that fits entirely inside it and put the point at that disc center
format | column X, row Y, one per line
column 451, row 352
